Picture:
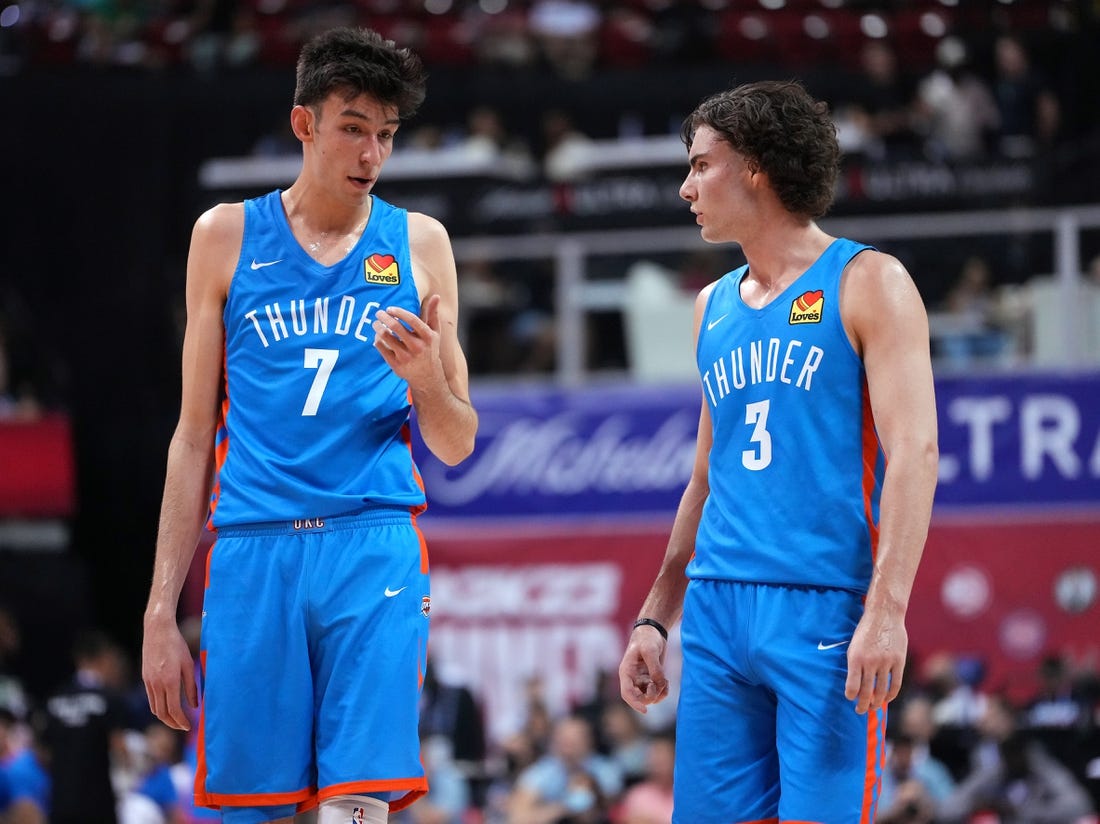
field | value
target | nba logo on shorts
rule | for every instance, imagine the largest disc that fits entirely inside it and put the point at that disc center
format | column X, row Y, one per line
column 357, row 815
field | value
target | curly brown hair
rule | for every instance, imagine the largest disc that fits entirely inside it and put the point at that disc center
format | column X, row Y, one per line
column 782, row 131
column 358, row 61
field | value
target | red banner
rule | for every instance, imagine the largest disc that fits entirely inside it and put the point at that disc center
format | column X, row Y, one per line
column 525, row 603
column 37, row 475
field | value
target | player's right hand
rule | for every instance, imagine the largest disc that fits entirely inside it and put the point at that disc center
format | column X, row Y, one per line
column 169, row 674
column 642, row 678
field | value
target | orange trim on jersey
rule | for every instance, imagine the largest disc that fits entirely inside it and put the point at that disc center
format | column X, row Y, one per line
column 200, row 742
column 221, row 450
column 205, row 799
column 416, row 787
column 423, row 543
column 870, row 458
column 872, row 778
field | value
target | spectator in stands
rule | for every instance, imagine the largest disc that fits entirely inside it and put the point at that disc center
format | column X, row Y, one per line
column 555, row 785
column 450, row 712
column 565, row 147
column 567, row 34
column 1057, row 704
column 626, row 740
column 85, row 733
column 1030, row 112
column 650, row 800
column 955, row 108
column 916, row 721
column 904, row 797
column 969, row 329
column 879, row 108
column 915, row 781
column 487, row 140
column 448, row 797
column 13, row 693
column 223, row 35
column 26, row 781
column 1024, row 786
column 156, row 796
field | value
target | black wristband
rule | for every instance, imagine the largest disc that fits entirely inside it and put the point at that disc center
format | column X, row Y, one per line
column 650, row 622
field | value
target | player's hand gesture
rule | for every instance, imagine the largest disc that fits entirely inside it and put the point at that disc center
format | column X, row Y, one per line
column 642, row 678
column 410, row 344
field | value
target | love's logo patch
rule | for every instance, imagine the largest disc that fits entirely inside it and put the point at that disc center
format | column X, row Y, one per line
column 381, row 269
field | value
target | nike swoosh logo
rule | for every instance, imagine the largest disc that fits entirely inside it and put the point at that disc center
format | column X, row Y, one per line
column 820, row 645
column 257, row 265
column 391, row 592
column 717, row 321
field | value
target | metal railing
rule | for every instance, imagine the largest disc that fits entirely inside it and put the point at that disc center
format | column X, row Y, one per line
column 576, row 294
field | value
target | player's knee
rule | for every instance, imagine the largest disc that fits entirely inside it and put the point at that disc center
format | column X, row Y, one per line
column 358, row 808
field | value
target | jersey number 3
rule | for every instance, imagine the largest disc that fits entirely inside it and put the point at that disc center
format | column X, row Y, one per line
column 323, row 360
column 756, row 416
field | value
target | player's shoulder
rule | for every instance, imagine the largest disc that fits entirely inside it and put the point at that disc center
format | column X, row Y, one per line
column 222, row 222
column 873, row 265
column 426, row 228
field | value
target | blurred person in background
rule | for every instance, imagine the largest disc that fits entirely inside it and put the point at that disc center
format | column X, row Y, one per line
column 911, row 786
column 626, row 741
column 13, row 692
column 157, row 795
column 556, row 786
column 971, row 330
column 84, row 735
column 318, row 496
column 650, row 800
column 878, row 114
column 1024, row 786
column 24, row 776
column 812, row 356
column 1029, row 111
column 956, row 112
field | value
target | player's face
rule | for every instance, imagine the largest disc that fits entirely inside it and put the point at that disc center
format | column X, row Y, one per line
column 718, row 186
column 352, row 139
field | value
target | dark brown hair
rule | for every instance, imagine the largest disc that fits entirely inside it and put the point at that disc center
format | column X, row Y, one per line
column 358, row 61
column 782, row 131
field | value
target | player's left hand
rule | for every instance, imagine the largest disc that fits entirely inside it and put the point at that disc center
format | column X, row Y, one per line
column 876, row 659
column 410, row 344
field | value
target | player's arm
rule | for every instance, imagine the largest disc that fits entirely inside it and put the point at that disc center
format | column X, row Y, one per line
column 887, row 323
column 166, row 661
column 642, row 679
column 425, row 350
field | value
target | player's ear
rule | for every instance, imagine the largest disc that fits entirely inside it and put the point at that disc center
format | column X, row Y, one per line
column 303, row 122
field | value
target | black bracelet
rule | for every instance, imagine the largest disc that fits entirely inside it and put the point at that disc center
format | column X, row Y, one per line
column 650, row 622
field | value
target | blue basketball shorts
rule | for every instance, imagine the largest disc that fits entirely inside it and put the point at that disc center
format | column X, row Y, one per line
column 314, row 644
column 763, row 730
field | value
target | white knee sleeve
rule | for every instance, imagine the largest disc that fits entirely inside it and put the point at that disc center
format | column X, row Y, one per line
column 353, row 809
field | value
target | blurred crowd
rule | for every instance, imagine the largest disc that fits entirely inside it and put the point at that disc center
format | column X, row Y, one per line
column 937, row 78
column 959, row 750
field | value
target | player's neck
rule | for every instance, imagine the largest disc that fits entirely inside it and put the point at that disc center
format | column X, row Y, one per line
column 316, row 212
column 779, row 253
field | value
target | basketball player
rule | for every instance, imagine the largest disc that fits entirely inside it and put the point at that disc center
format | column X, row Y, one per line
column 795, row 545
column 318, row 317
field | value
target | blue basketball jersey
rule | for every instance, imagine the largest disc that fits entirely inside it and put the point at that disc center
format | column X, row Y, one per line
column 314, row 422
column 796, row 466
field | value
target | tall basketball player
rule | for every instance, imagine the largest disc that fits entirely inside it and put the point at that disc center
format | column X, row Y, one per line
column 318, row 318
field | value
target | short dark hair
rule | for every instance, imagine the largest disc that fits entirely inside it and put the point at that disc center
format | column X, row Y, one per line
column 358, row 61
column 783, row 132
